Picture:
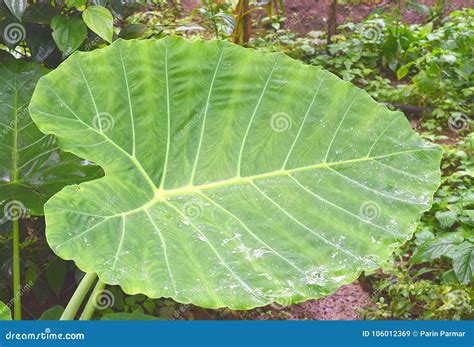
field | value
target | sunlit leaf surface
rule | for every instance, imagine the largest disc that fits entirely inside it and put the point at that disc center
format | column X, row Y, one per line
column 233, row 177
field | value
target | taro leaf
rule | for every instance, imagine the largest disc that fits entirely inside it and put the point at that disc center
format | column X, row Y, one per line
column 56, row 274
column 233, row 177
column 463, row 262
column 99, row 20
column 32, row 168
column 68, row 33
column 31, row 274
column 53, row 313
column 5, row 313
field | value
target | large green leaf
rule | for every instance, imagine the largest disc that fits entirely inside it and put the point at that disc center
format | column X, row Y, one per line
column 233, row 177
column 32, row 168
column 53, row 313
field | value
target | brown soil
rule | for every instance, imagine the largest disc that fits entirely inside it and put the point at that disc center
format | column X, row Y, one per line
column 307, row 15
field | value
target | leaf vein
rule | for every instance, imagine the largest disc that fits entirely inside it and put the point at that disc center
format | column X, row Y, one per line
column 321, row 237
column 132, row 118
column 203, row 126
column 165, row 252
column 341, row 208
column 374, row 190
column 222, row 261
column 244, row 140
column 251, row 232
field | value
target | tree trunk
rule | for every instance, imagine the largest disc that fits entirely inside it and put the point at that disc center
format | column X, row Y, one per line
column 243, row 27
column 332, row 19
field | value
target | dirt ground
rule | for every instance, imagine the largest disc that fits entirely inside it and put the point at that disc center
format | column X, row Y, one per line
column 307, row 15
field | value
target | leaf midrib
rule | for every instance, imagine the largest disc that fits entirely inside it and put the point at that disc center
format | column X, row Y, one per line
column 167, row 193
column 161, row 195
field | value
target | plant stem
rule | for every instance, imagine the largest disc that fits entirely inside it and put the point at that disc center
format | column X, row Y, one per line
column 78, row 296
column 93, row 301
column 16, row 270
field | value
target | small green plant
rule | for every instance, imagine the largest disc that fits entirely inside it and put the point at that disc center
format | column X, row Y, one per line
column 403, row 293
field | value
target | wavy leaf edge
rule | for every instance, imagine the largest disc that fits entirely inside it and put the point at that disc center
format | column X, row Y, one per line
column 107, row 279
